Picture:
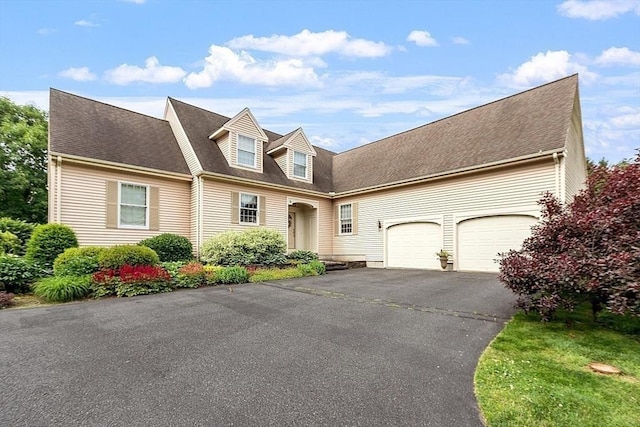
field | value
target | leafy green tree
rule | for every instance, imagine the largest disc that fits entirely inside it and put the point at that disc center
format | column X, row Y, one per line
column 23, row 157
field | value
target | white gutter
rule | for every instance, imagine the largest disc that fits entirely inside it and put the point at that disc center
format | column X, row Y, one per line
column 58, row 178
column 556, row 162
column 235, row 180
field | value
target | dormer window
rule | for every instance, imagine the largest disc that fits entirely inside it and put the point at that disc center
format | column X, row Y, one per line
column 246, row 151
column 299, row 165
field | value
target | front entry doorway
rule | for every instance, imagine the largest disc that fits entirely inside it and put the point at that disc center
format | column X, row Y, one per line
column 302, row 226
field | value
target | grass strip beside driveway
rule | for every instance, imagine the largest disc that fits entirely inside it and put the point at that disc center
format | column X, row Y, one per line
column 537, row 374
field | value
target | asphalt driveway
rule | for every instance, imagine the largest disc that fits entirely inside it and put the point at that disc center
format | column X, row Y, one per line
column 356, row 347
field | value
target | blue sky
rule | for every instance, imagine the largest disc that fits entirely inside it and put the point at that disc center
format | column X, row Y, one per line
column 348, row 72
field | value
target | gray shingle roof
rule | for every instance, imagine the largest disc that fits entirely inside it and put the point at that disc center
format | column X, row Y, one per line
column 83, row 127
column 198, row 125
column 527, row 123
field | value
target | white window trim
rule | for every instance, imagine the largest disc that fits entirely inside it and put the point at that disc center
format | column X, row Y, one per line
column 341, row 233
column 306, row 165
column 147, row 207
column 240, row 221
column 255, row 152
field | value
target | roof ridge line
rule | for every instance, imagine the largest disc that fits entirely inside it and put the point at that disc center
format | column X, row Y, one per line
column 106, row 104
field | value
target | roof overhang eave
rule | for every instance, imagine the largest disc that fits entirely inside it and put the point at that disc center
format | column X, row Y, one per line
column 463, row 171
column 120, row 166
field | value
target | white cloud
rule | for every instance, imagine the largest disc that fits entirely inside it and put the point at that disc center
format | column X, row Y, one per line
column 86, row 23
column 306, row 43
column 152, row 72
column 627, row 121
column 598, row 9
column 46, row 31
column 619, row 56
column 81, row 74
column 545, row 67
column 225, row 64
column 422, row 38
column 460, row 40
column 323, row 142
column 431, row 84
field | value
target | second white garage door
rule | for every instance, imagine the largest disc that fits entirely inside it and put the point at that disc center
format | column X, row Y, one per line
column 481, row 239
column 413, row 245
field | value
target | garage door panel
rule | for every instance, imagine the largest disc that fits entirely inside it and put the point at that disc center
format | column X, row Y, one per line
column 481, row 239
column 413, row 245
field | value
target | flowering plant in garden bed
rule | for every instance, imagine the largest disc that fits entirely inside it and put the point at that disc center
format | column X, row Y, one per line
column 131, row 280
column 191, row 275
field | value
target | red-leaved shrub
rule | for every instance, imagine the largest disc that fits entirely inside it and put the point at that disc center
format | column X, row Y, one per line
column 588, row 250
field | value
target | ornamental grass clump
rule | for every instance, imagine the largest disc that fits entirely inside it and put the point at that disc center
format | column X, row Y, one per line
column 62, row 289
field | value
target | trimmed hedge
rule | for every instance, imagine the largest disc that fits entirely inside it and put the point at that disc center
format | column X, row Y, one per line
column 170, row 247
column 21, row 229
column 78, row 261
column 258, row 245
column 117, row 256
column 9, row 243
column 48, row 241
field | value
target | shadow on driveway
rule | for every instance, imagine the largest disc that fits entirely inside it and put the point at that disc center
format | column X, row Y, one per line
column 356, row 347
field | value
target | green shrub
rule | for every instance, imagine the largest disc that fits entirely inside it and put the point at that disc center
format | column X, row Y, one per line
column 229, row 275
column 48, row 241
column 211, row 273
column 6, row 299
column 117, row 256
column 172, row 268
column 62, row 288
column 16, row 274
column 266, row 275
column 254, row 246
column 20, row 228
column 319, row 267
column 170, row 247
column 307, row 270
column 9, row 243
column 78, row 261
column 303, row 257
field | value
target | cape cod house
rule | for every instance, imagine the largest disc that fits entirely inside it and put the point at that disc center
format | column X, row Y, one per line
column 468, row 183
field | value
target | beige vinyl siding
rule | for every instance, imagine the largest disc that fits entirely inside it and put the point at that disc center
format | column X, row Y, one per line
column 574, row 162
column 245, row 126
column 225, row 146
column 281, row 160
column 183, row 142
column 84, row 205
column 216, row 216
column 299, row 143
column 519, row 187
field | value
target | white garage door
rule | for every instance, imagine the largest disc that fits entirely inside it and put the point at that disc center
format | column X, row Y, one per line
column 413, row 245
column 481, row 239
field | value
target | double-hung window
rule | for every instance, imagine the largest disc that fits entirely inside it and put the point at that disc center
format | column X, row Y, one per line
column 248, row 209
column 346, row 219
column 299, row 164
column 246, row 151
column 133, row 206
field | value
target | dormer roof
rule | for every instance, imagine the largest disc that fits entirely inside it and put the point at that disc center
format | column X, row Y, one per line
column 230, row 125
column 285, row 142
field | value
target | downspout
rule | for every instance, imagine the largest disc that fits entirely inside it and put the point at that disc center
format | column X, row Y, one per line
column 58, row 189
column 200, row 208
column 556, row 161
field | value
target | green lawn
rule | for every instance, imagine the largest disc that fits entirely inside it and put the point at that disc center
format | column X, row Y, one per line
column 536, row 374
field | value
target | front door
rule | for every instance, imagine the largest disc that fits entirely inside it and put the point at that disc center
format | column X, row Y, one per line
column 292, row 230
